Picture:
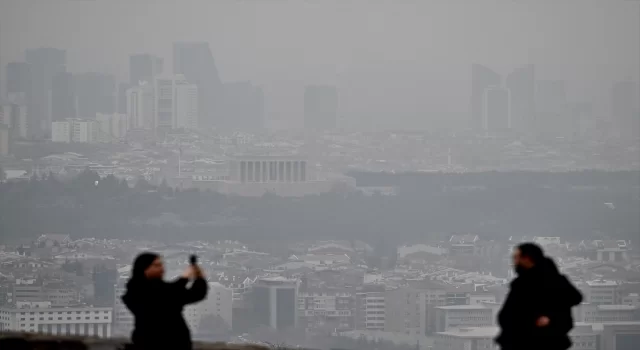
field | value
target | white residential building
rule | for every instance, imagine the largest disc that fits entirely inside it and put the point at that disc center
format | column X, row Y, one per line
column 113, row 127
column 370, row 308
column 141, row 106
column 473, row 338
column 176, row 102
column 41, row 317
column 186, row 115
column 463, row 316
column 218, row 303
column 600, row 292
column 75, row 130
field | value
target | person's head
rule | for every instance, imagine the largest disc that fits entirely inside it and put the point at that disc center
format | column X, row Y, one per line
column 148, row 266
column 526, row 256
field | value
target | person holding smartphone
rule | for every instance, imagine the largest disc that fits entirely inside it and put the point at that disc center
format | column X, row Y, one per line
column 157, row 305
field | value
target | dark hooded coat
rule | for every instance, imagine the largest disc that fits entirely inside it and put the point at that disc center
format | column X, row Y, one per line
column 157, row 308
column 536, row 292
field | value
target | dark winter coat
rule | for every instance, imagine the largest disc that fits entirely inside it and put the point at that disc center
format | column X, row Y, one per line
column 539, row 291
column 157, row 308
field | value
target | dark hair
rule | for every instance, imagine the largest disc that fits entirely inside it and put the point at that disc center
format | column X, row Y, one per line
column 142, row 263
column 532, row 251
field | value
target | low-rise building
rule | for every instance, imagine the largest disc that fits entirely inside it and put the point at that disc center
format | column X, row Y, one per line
column 463, row 316
column 472, row 338
column 42, row 317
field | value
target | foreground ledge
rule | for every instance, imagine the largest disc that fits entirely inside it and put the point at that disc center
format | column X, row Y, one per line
column 30, row 341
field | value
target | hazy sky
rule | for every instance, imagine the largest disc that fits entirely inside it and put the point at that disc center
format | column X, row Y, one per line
column 396, row 62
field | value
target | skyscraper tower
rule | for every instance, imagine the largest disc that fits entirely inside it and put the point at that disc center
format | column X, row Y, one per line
column 17, row 80
column 522, row 85
column 497, row 109
column 195, row 61
column 63, row 97
column 144, row 67
column 44, row 64
column 320, row 107
column 481, row 78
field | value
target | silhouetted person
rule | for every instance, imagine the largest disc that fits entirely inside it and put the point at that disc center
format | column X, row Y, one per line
column 537, row 311
column 157, row 305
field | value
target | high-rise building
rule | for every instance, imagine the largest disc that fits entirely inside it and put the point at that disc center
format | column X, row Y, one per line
column 141, row 106
column 176, row 102
column 320, row 107
column 144, row 67
column 75, row 130
column 95, row 94
column 326, row 309
column 370, row 308
column 497, row 109
column 121, row 98
column 18, row 79
column 481, row 78
column 521, row 84
column 553, row 117
column 15, row 117
column 4, row 140
column 275, row 302
column 624, row 104
column 195, row 61
column 242, row 107
column 44, row 64
column 63, row 97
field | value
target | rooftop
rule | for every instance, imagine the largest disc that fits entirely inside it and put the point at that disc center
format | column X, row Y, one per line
column 472, row 332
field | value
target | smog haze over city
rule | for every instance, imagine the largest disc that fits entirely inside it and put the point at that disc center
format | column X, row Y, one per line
column 351, row 174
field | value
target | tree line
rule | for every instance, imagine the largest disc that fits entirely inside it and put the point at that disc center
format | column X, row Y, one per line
column 574, row 205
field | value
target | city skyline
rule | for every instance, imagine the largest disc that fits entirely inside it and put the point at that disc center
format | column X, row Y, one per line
column 434, row 69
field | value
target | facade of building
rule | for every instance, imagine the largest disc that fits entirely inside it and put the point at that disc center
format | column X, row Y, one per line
column 14, row 116
column 17, row 79
column 269, row 169
column 472, row 338
column 144, row 68
column 497, row 109
column 328, row 309
column 141, row 106
column 481, row 78
column 75, row 130
column 405, row 311
column 275, row 302
column 195, row 61
column 44, row 64
column 63, row 97
column 601, row 292
column 370, row 308
column 122, row 318
column 42, row 317
column 463, row 316
column 217, row 304
column 521, row 84
column 176, row 103
column 4, row 140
